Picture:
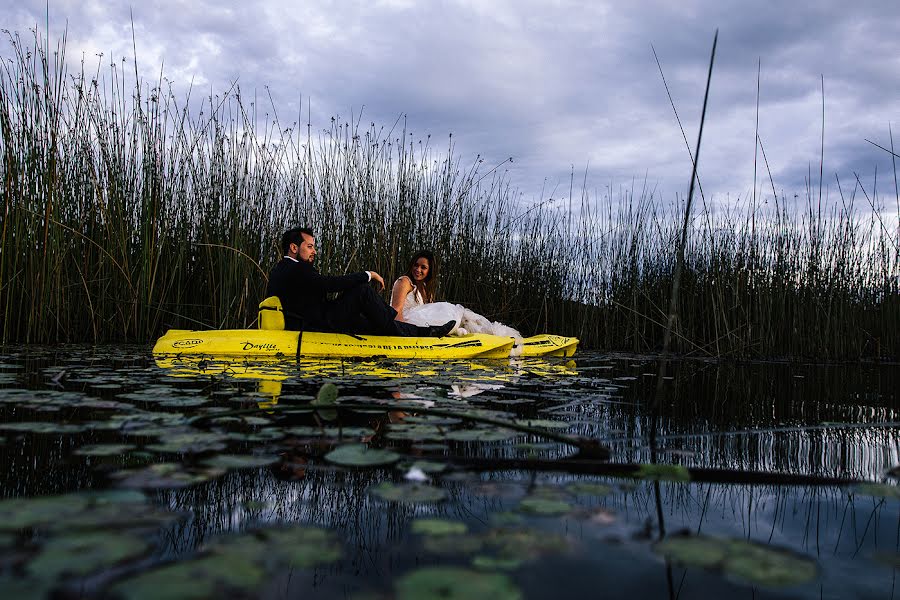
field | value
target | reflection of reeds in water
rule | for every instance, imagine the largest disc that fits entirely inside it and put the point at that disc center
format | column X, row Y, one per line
column 128, row 210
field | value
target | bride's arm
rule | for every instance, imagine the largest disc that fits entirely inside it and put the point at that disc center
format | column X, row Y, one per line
column 401, row 288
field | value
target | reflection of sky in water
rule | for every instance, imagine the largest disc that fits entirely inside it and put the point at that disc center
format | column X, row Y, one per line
column 770, row 418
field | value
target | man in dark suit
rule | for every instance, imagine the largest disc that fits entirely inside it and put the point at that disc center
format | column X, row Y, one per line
column 304, row 295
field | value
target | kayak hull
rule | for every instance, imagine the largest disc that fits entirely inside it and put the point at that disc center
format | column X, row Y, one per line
column 282, row 343
column 549, row 345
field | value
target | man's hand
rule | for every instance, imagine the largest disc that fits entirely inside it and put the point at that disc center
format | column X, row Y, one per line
column 379, row 282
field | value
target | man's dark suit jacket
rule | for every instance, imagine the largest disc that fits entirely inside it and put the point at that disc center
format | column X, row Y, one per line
column 303, row 293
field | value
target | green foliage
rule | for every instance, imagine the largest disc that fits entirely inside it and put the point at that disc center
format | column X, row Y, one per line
column 128, row 211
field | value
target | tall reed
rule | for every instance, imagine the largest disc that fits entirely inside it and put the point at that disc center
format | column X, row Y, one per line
column 128, row 210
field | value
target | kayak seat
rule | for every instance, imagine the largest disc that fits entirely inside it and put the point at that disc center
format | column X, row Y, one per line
column 271, row 315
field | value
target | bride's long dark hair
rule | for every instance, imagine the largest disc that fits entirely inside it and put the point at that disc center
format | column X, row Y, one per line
column 430, row 281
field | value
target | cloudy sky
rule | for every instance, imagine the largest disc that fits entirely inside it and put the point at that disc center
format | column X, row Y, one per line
column 556, row 85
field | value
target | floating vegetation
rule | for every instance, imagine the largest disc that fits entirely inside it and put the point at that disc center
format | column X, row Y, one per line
column 752, row 562
column 878, row 490
column 237, row 461
column 104, row 449
column 544, row 506
column 165, row 476
column 588, row 488
column 659, row 472
column 83, row 553
column 361, row 455
column 450, row 583
column 408, row 492
column 438, row 527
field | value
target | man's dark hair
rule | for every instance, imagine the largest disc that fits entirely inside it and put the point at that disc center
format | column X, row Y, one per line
column 294, row 236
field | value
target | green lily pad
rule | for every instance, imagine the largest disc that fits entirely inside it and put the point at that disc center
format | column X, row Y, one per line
column 195, row 579
column 588, row 488
column 42, row 427
column 878, row 490
column 746, row 560
column 104, row 449
column 490, row 563
column 431, row 420
column 327, row 395
column 239, row 461
column 451, row 583
column 189, row 442
column 437, row 527
column 453, row 544
column 525, row 544
column 544, row 423
column 84, row 553
column 21, row 588
column 702, row 552
column 360, row 455
column 663, row 473
column 408, row 492
column 767, row 566
column 303, row 547
column 506, row 518
column 413, row 432
column 481, row 434
column 183, row 402
column 267, row 435
column 544, row 506
column 165, row 476
column 330, row 432
column 19, row 513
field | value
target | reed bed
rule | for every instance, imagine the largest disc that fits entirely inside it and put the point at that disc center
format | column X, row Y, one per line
column 128, row 210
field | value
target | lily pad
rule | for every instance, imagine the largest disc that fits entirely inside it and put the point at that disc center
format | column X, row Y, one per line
column 481, row 434
column 878, row 490
column 165, row 476
column 588, row 488
column 413, row 432
column 198, row 579
column 302, row 547
column 702, row 552
column 438, row 527
column 766, row 566
column 409, row 492
column 525, row 544
column 544, row 506
column 239, row 461
column 543, row 423
column 749, row 561
column 361, row 455
column 42, row 427
column 449, row 545
column 490, row 563
column 450, row 583
column 663, row 473
column 104, row 449
column 327, row 395
column 189, row 442
column 19, row 513
column 83, row 553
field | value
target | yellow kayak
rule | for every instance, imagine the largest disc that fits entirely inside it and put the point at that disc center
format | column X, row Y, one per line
column 267, row 342
column 271, row 339
column 549, row 345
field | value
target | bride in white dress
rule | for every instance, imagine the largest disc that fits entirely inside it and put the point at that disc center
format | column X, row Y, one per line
column 413, row 298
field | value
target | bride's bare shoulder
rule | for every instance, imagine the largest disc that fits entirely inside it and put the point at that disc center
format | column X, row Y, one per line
column 403, row 282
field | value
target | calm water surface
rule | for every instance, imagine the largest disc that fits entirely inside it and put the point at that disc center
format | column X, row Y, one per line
column 112, row 485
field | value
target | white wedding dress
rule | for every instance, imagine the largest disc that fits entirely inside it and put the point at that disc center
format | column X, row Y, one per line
column 418, row 312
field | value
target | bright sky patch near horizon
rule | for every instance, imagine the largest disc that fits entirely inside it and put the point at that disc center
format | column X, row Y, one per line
column 561, row 87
